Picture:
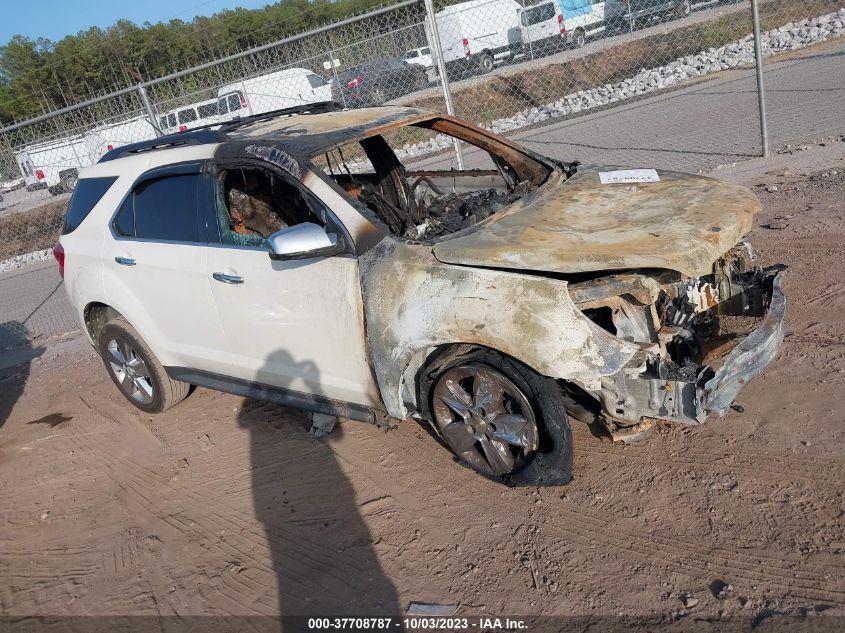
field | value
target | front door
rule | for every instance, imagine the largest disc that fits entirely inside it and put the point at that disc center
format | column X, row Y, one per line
column 298, row 324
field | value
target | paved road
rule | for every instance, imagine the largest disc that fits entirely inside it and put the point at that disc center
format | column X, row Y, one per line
column 713, row 121
column 695, row 128
column 33, row 305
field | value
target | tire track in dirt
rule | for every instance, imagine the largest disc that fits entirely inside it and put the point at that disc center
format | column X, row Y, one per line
column 829, row 473
column 206, row 522
column 704, row 563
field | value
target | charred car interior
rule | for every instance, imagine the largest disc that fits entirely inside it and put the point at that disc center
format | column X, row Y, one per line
column 422, row 205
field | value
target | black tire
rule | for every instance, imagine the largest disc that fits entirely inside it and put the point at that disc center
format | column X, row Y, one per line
column 484, row 62
column 69, row 180
column 683, row 9
column 164, row 391
column 55, row 190
column 377, row 96
column 579, row 39
column 551, row 462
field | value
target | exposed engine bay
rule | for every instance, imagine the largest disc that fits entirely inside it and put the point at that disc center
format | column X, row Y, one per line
column 701, row 339
column 422, row 206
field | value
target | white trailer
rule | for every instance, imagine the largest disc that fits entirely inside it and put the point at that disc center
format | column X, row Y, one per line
column 54, row 164
column 475, row 34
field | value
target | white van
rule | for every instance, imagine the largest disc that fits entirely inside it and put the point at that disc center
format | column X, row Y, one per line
column 542, row 27
column 475, row 34
column 582, row 19
column 54, row 164
column 189, row 116
column 281, row 89
column 106, row 137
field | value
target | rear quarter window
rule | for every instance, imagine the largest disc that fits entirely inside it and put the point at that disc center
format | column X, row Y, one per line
column 88, row 192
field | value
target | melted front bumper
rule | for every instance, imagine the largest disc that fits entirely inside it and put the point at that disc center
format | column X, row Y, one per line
column 748, row 359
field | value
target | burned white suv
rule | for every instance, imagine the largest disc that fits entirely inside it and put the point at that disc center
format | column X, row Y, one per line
column 335, row 261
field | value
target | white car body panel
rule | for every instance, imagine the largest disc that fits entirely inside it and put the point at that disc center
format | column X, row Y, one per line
column 295, row 324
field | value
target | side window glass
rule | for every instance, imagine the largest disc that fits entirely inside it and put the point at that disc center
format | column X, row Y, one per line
column 234, row 102
column 222, row 108
column 124, row 221
column 316, row 81
column 253, row 204
column 171, row 120
column 166, row 208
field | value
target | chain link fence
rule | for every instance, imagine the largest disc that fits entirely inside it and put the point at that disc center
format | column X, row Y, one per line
column 645, row 83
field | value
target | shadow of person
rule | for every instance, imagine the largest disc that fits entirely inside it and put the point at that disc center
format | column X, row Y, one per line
column 322, row 553
column 16, row 354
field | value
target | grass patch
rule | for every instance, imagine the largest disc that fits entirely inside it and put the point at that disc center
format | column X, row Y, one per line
column 31, row 230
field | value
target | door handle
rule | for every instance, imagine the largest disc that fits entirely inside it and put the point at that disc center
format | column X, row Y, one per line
column 125, row 261
column 228, row 279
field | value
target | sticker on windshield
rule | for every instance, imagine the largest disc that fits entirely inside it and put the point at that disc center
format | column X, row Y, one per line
column 628, row 175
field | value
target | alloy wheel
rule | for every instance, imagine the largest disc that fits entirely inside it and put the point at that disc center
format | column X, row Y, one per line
column 485, row 418
column 130, row 370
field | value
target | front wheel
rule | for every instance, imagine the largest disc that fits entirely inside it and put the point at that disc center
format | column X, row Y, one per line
column 378, row 96
column 136, row 371
column 499, row 417
column 683, row 9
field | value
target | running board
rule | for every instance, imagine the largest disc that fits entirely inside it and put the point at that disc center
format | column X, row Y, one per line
column 278, row 395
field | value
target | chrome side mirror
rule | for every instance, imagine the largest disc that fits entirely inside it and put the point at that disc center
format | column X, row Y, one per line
column 303, row 241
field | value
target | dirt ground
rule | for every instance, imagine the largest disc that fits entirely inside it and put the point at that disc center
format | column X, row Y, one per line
column 226, row 506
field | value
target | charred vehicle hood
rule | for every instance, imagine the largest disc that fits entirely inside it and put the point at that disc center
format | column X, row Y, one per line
column 682, row 222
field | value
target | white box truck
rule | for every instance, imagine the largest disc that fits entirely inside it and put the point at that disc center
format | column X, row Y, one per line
column 475, row 34
column 54, row 164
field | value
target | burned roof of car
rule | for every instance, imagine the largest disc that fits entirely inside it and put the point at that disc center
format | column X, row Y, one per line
column 303, row 131
column 307, row 135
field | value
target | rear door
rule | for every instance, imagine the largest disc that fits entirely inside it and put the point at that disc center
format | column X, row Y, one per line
column 154, row 267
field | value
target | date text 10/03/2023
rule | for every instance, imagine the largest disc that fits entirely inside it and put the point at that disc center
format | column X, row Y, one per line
column 418, row 623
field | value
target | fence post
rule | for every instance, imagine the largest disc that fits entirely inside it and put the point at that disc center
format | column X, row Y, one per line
column 444, row 78
column 761, row 91
column 145, row 101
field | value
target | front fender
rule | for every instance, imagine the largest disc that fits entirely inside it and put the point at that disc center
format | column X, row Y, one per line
column 414, row 304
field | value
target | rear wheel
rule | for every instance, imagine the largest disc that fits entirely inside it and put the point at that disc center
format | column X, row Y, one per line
column 579, row 38
column 499, row 417
column 69, row 181
column 485, row 62
column 683, row 8
column 136, row 371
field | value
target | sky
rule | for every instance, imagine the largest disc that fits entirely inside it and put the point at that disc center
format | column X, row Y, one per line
column 54, row 19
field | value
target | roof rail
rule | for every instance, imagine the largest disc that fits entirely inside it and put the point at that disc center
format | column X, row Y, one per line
column 320, row 107
column 204, row 134
column 193, row 137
